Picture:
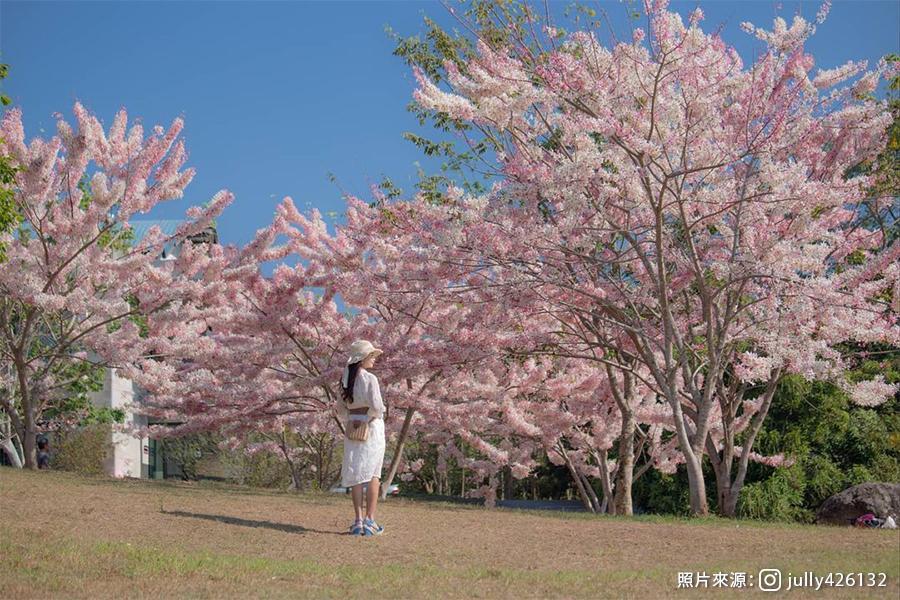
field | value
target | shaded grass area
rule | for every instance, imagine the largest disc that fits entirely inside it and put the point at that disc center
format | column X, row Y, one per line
column 70, row 568
column 64, row 535
column 170, row 488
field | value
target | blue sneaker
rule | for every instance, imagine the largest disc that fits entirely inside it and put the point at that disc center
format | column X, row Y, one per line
column 370, row 527
column 356, row 528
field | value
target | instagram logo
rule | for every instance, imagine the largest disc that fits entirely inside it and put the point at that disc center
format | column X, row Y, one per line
column 769, row 580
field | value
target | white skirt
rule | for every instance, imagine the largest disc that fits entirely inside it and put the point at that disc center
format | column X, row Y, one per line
column 364, row 460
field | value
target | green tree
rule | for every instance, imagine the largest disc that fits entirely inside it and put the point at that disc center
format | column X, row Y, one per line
column 8, row 214
column 834, row 443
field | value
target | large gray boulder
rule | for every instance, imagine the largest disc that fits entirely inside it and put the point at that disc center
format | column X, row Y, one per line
column 881, row 499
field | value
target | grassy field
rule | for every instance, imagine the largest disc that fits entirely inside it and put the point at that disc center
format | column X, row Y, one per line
column 62, row 535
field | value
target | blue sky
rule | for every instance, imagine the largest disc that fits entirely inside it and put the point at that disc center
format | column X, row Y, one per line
column 276, row 95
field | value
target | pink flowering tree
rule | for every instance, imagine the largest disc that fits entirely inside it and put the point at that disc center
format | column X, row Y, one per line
column 517, row 321
column 73, row 288
column 431, row 335
column 565, row 409
column 251, row 355
column 473, row 344
column 253, row 359
column 437, row 332
column 497, row 322
column 662, row 189
column 455, row 362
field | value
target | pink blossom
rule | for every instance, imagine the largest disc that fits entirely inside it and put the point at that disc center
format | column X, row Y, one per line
column 696, row 16
column 872, row 392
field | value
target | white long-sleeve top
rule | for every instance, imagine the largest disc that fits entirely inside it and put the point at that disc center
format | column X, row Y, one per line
column 366, row 392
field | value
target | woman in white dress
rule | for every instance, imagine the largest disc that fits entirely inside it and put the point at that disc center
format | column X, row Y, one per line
column 360, row 404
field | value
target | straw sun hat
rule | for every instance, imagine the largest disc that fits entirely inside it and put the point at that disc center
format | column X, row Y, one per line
column 359, row 350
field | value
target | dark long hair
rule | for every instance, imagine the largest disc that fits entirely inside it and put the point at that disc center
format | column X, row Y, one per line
column 347, row 392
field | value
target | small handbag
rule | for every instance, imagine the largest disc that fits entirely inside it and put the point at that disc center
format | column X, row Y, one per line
column 357, row 430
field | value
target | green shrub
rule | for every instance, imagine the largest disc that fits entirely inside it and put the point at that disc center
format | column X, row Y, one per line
column 189, row 451
column 661, row 493
column 777, row 498
column 262, row 469
column 82, row 450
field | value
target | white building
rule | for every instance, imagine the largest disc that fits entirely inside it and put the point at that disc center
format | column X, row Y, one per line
column 130, row 456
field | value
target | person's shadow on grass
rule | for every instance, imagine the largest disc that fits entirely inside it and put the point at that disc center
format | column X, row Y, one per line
column 286, row 527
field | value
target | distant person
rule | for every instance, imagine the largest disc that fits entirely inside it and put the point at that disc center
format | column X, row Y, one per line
column 43, row 455
column 362, row 412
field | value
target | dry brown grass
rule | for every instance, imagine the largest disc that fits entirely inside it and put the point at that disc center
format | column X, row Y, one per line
column 63, row 535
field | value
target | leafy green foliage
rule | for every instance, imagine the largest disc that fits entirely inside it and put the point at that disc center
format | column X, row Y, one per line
column 4, row 72
column 660, row 493
column 83, row 378
column 189, row 451
column 8, row 214
column 261, row 469
column 835, row 444
column 82, row 450
column 778, row 498
column 461, row 159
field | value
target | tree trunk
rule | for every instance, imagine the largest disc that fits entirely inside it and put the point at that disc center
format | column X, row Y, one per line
column 508, row 489
column 728, row 488
column 398, row 452
column 625, row 471
column 693, row 461
column 29, row 443
column 723, row 490
column 721, row 464
column 606, row 484
column 12, row 452
column 726, row 499
column 576, row 477
column 624, row 397
column 728, row 507
column 27, row 434
column 699, row 505
column 296, row 481
column 592, row 494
